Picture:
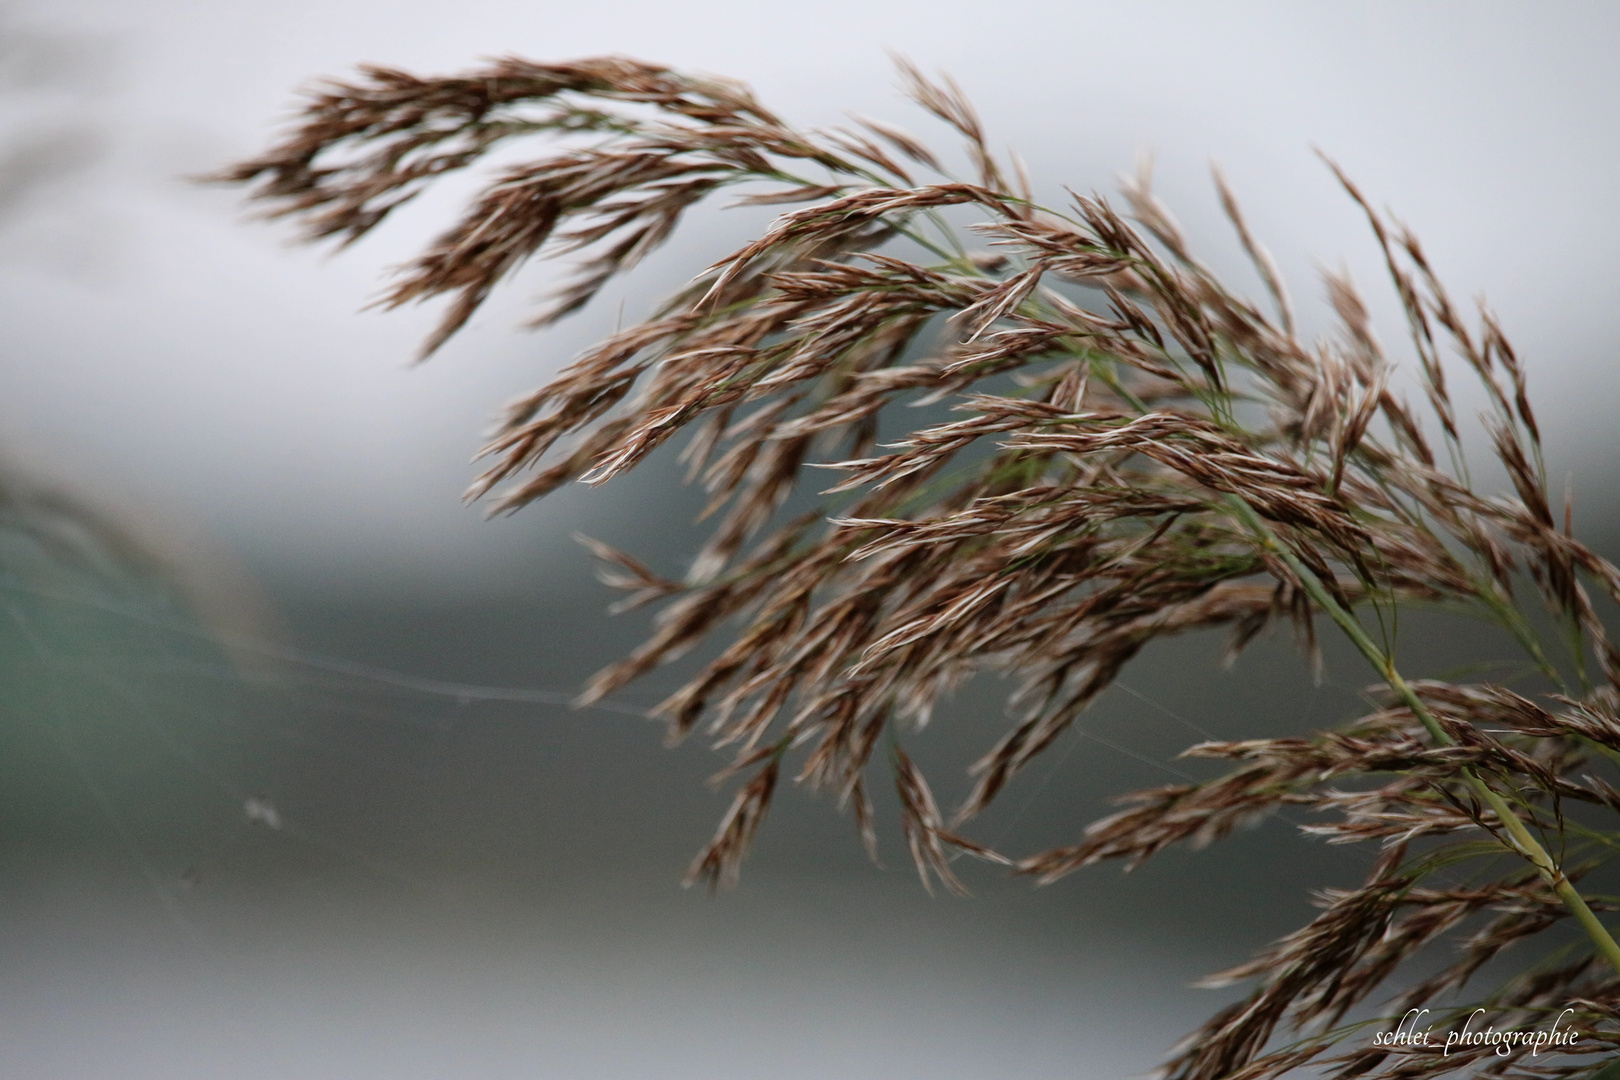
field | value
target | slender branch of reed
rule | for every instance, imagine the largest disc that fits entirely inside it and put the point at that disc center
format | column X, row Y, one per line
column 1117, row 406
column 1522, row 841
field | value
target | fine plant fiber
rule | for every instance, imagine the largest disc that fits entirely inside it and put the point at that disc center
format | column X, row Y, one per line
column 1138, row 451
column 70, row 531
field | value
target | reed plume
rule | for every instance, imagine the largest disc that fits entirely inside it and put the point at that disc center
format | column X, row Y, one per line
column 1141, row 452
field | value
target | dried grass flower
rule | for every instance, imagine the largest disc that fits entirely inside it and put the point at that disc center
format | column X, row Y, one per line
column 1140, row 451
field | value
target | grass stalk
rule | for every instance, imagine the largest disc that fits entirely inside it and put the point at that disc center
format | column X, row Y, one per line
column 1522, row 841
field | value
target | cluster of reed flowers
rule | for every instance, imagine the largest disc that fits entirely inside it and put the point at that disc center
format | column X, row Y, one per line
column 1141, row 452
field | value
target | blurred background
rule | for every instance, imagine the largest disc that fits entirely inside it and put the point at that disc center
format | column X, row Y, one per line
column 363, row 837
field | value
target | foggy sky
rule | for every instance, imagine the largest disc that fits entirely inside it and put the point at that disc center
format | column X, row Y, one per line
column 198, row 370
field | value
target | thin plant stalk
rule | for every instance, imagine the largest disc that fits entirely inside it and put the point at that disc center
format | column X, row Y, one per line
column 1523, row 843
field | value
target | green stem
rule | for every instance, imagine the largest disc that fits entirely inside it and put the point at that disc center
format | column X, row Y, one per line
column 1520, row 838
column 1510, row 616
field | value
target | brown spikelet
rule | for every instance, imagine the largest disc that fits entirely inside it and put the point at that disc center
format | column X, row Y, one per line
column 718, row 864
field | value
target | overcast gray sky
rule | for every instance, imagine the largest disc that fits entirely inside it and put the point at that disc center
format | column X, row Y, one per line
column 199, row 367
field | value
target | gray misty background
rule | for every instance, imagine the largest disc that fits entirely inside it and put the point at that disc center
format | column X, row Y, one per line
column 368, row 842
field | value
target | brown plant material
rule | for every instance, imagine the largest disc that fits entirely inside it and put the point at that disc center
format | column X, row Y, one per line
column 1125, row 420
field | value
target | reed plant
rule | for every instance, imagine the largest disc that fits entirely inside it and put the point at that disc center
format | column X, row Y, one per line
column 1139, row 451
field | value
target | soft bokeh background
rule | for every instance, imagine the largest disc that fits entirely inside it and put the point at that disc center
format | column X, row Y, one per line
column 369, row 842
